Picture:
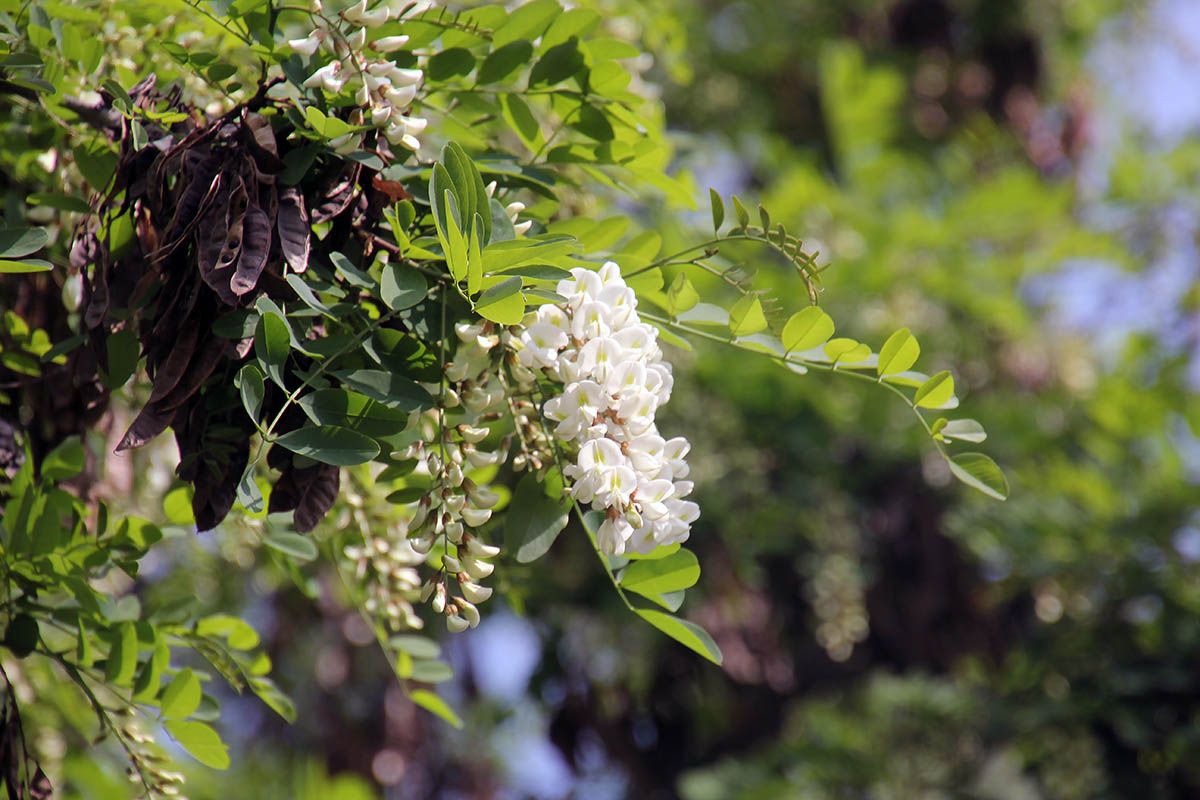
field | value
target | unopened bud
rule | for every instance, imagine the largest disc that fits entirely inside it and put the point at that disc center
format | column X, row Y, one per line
column 473, row 591
column 473, row 435
column 451, row 563
column 439, row 598
column 456, row 624
column 476, row 516
column 468, row 610
column 480, row 550
column 477, row 569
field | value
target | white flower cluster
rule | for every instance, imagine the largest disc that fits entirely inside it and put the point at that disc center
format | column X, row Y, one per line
column 614, row 381
column 381, row 87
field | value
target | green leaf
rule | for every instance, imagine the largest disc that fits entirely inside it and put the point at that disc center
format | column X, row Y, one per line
column 353, row 275
column 430, row 671
column 980, row 472
column 506, row 288
column 274, row 697
column 416, row 646
column 330, row 444
column 248, row 492
column 534, row 520
column 293, row 545
column 122, row 656
column 271, row 343
column 237, row 632
column 453, row 243
column 394, row 391
column 252, row 388
column 354, row 411
column 742, row 214
column 200, row 741
column 527, row 22
column 898, row 353
column 503, row 303
column 435, row 705
column 61, row 202
column 123, row 354
column 64, row 461
column 718, row 209
column 846, row 351
column 538, row 272
column 302, row 290
column 182, row 697
column 677, row 571
column 682, row 295
column 594, row 123
column 705, row 314
column 746, row 316
column 936, row 391
column 402, row 287
column 557, row 64
column 965, row 430
column 686, row 633
column 807, row 329
column 8, row 267
column 18, row 242
column 522, row 120
column 149, row 679
column 503, row 61
column 450, row 64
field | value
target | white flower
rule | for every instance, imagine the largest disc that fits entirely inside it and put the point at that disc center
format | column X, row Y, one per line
column 325, row 73
column 306, row 46
column 388, row 44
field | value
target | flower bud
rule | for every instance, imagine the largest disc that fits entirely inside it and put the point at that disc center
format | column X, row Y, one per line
column 454, row 502
column 480, row 550
column 476, row 516
column 468, row 610
column 451, row 563
column 373, row 19
column 389, row 43
column 454, row 531
column 358, row 39
column 481, row 498
column 355, row 13
column 473, row 591
column 490, row 189
column 475, row 568
column 456, row 624
column 472, row 435
column 439, row 598
column 427, row 590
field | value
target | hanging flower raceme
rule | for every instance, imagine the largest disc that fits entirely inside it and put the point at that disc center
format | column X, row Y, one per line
column 614, row 380
column 382, row 89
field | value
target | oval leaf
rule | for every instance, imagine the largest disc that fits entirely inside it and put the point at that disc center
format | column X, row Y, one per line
column 898, row 353
column 806, row 329
column 534, row 520
column 686, row 633
column 182, row 697
column 965, row 430
column 980, row 472
column 292, row 545
column 659, row 576
column 402, row 287
column 936, row 391
column 330, row 444
column 201, row 742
